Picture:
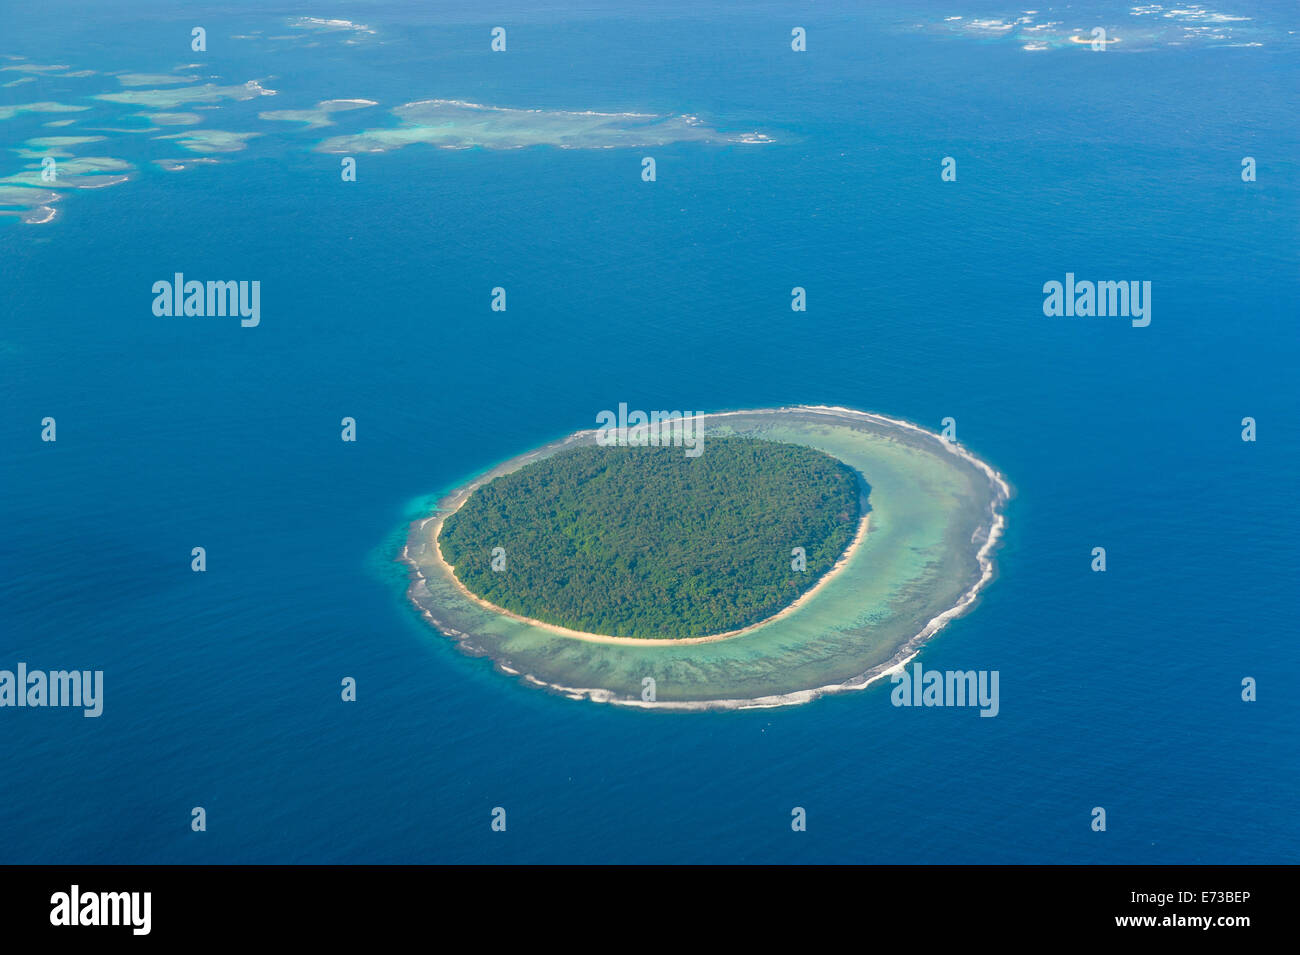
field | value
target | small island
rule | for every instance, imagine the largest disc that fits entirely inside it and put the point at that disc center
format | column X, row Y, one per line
column 644, row 577
column 646, row 542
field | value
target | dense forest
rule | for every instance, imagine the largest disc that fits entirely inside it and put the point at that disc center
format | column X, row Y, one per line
column 647, row 542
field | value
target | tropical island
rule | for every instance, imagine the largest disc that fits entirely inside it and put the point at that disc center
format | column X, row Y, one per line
column 646, row 542
column 640, row 576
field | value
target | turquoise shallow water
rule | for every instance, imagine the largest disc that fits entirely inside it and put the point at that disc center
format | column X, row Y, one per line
column 1119, row 690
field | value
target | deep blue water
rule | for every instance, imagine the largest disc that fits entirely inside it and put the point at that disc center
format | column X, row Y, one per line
column 1119, row 690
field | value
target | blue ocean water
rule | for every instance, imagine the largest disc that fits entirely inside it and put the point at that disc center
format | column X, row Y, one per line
column 1119, row 690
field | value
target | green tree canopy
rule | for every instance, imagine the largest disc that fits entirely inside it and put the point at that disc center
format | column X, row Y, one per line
column 647, row 542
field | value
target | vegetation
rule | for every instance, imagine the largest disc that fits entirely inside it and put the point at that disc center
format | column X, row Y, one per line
column 647, row 542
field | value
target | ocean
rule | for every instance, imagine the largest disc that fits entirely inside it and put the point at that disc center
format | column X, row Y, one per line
column 1120, row 690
